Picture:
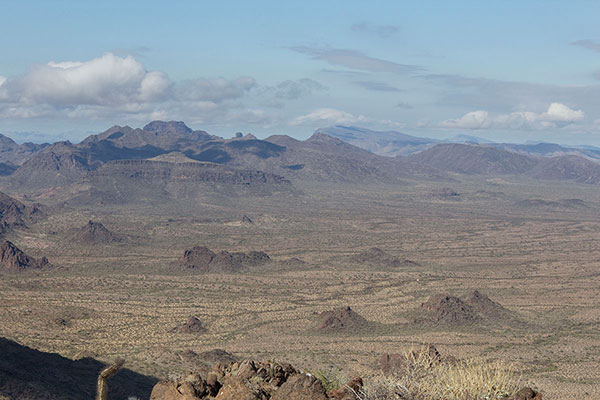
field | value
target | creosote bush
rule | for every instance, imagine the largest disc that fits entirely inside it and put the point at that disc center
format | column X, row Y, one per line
column 428, row 379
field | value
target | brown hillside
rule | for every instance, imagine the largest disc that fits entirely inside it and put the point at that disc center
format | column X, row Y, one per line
column 14, row 259
column 445, row 309
column 203, row 259
column 340, row 320
column 95, row 233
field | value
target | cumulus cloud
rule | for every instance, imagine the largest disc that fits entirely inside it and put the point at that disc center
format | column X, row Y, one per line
column 115, row 87
column 558, row 115
column 383, row 31
column 107, row 80
column 328, row 116
column 356, row 60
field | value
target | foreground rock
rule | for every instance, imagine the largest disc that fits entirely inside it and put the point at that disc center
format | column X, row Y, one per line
column 246, row 380
column 14, row 259
column 95, row 233
column 203, row 259
column 341, row 320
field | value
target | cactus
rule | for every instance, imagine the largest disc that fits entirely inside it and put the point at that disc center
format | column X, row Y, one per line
column 102, row 391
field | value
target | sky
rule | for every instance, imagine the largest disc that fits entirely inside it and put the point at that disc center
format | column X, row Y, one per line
column 508, row 71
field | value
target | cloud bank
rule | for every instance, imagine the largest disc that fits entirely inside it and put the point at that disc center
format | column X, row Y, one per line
column 557, row 116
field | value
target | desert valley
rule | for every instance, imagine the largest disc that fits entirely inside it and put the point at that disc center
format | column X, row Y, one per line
column 175, row 249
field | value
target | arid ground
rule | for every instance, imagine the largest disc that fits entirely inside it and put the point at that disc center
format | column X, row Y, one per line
column 518, row 241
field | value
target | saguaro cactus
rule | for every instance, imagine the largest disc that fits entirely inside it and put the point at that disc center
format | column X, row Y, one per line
column 102, row 391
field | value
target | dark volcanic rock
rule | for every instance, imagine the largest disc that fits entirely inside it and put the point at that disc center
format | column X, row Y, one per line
column 203, row 259
column 95, row 233
column 246, row 380
column 13, row 213
column 12, row 258
column 341, row 320
column 246, row 220
column 447, row 310
column 192, row 325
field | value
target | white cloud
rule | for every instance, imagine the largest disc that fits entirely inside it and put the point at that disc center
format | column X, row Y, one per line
column 558, row 115
column 106, row 80
column 329, row 116
column 113, row 87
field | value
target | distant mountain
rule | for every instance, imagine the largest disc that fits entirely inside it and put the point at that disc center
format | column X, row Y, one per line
column 14, row 154
column 489, row 160
column 385, row 143
column 469, row 159
column 468, row 139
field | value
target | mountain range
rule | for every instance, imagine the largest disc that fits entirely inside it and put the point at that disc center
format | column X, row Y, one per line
column 172, row 159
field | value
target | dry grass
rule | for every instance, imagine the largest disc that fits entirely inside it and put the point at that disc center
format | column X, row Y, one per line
column 427, row 379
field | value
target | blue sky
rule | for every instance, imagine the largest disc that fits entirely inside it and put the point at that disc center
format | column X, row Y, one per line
column 502, row 70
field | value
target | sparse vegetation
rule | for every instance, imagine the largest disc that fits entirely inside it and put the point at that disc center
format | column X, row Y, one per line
column 427, row 379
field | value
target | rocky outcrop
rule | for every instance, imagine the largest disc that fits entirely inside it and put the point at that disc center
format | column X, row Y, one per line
column 14, row 259
column 203, row 259
column 341, row 320
column 445, row 309
column 95, row 233
column 246, row 380
column 14, row 214
column 192, row 326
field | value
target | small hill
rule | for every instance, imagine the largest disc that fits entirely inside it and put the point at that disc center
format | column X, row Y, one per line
column 14, row 259
column 444, row 309
column 341, row 320
column 95, row 233
column 378, row 257
column 203, row 259
column 488, row 308
column 193, row 326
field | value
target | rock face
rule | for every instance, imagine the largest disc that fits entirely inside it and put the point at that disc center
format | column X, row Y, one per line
column 341, row 320
column 192, row 325
column 95, row 233
column 246, row 380
column 12, row 258
column 378, row 257
column 13, row 213
column 205, row 260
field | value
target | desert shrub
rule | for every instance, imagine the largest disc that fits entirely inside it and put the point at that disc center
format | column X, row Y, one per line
column 329, row 379
column 427, row 379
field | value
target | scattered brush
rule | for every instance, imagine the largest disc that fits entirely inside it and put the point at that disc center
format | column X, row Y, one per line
column 426, row 379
